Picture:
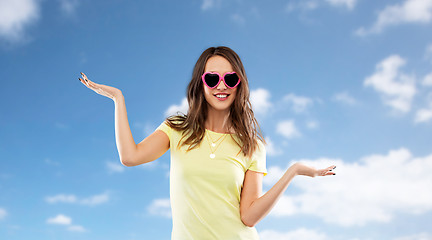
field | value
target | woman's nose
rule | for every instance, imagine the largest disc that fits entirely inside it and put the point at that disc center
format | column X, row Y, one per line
column 221, row 85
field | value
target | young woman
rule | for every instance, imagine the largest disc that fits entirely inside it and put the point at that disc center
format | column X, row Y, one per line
column 218, row 155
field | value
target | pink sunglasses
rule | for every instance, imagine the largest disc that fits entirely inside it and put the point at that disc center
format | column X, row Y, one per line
column 212, row 79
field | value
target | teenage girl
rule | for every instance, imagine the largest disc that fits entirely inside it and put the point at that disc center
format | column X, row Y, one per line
column 218, row 156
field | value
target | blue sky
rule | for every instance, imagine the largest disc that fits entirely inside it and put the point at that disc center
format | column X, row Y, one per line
column 345, row 82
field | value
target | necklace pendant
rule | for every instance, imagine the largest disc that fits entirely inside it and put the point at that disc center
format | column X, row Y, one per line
column 213, row 144
column 212, row 155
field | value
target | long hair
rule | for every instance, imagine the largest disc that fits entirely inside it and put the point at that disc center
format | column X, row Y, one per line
column 241, row 117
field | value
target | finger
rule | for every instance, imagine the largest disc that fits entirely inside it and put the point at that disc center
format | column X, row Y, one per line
column 87, row 83
column 84, row 76
column 83, row 81
column 93, row 85
column 326, row 172
column 95, row 88
column 330, row 172
column 90, row 82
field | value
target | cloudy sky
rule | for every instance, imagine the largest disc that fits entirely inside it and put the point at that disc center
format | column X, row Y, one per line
column 344, row 82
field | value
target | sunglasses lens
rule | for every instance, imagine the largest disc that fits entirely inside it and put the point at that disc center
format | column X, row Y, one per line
column 231, row 79
column 211, row 79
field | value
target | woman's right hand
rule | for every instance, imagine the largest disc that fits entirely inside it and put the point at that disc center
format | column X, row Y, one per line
column 101, row 89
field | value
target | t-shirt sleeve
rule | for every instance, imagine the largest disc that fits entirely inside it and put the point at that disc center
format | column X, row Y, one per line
column 166, row 129
column 258, row 163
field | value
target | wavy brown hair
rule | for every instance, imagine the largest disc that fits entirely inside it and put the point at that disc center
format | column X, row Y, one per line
column 242, row 118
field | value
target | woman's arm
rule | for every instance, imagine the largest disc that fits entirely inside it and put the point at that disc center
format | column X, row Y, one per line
column 125, row 143
column 253, row 208
column 130, row 154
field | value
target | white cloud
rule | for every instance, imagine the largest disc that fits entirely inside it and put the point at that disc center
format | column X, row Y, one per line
column 96, row 199
column 271, row 149
column 298, row 103
column 373, row 189
column 309, row 5
column 302, row 5
column 418, row 236
column 237, row 18
column 62, row 126
column 290, row 7
column 3, row 213
column 274, row 174
column 260, row 100
column 254, row 11
column 160, row 207
column 349, row 4
column 345, row 98
column 312, row 124
column 60, row 219
column 299, row 234
column 76, row 228
column 173, row 109
column 209, row 4
column 427, row 80
column 146, row 128
column 69, row 6
column 396, row 88
column 428, row 54
column 15, row 16
column 288, row 129
column 90, row 201
column 51, row 162
column 411, row 11
column 423, row 115
column 151, row 165
column 62, row 198
column 115, row 167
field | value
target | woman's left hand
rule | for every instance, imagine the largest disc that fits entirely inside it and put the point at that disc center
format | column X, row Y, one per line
column 301, row 169
column 325, row 171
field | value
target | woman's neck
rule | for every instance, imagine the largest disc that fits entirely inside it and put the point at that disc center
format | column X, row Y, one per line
column 218, row 121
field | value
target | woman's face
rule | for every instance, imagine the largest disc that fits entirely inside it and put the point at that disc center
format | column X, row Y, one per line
column 221, row 97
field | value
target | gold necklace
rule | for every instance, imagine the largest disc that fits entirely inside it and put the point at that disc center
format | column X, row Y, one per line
column 213, row 143
column 212, row 152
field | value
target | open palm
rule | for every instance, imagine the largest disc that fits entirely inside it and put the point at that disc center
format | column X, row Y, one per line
column 101, row 89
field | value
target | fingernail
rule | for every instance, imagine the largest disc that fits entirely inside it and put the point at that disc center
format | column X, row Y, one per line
column 79, row 79
column 334, row 167
column 334, row 173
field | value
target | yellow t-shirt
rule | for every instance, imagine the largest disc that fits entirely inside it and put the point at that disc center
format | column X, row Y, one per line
column 205, row 192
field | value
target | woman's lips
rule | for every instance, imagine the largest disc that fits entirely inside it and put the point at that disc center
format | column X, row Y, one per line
column 221, row 96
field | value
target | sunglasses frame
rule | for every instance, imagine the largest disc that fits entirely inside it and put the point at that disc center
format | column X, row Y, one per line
column 220, row 79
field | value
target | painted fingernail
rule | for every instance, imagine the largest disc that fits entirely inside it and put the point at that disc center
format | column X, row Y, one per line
column 334, row 173
column 79, row 79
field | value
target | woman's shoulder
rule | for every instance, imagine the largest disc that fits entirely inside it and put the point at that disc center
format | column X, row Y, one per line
column 175, row 120
column 260, row 146
column 173, row 123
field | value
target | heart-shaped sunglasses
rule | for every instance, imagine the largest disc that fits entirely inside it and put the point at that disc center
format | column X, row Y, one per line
column 212, row 79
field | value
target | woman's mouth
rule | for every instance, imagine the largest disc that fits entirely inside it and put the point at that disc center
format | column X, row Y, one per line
column 221, row 97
